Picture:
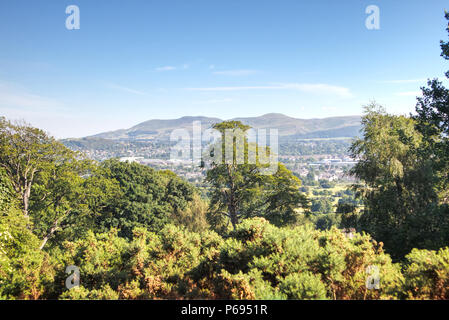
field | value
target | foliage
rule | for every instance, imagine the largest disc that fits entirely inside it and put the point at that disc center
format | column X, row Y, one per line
column 427, row 274
column 146, row 197
column 194, row 216
column 433, row 123
column 25, row 271
column 239, row 187
column 321, row 205
column 398, row 189
column 138, row 233
column 329, row 264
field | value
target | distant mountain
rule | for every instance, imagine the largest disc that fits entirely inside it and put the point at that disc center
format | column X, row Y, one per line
column 152, row 129
column 288, row 126
column 333, row 127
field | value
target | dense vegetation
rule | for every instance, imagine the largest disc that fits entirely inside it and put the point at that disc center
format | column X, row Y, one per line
column 138, row 233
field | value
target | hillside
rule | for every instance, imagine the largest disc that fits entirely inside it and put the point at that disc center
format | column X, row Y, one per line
column 333, row 127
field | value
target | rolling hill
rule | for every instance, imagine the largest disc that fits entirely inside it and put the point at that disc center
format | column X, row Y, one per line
column 333, row 127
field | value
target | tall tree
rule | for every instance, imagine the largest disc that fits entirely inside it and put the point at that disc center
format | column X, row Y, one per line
column 398, row 184
column 24, row 152
column 433, row 122
column 54, row 186
column 239, row 187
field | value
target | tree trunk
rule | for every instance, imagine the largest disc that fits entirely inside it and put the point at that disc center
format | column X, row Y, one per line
column 232, row 206
column 27, row 193
column 49, row 234
column 25, row 201
column 233, row 214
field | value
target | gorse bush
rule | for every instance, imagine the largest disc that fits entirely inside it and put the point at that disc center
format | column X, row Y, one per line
column 255, row 261
column 427, row 274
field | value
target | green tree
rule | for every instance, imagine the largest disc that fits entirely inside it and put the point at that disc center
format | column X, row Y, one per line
column 321, row 205
column 284, row 198
column 147, row 198
column 398, row 184
column 25, row 271
column 239, row 188
column 24, row 153
column 347, row 209
column 47, row 177
column 433, row 123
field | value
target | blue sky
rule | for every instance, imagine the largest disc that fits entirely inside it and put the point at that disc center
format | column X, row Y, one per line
column 131, row 61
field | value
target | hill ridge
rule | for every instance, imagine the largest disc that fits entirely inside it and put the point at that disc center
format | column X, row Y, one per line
column 287, row 126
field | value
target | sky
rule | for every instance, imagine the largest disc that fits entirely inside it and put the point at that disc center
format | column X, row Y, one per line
column 131, row 61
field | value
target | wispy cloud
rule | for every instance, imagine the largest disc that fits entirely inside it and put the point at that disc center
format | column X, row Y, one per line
column 405, row 81
column 165, row 68
column 125, row 89
column 235, row 73
column 409, row 93
column 214, row 101
column 14, row 96
column 318, row 88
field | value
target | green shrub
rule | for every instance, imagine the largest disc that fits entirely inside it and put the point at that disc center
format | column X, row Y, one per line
column 427, row 274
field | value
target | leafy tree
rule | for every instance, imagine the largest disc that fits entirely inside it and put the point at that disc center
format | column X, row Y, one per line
column 235, row 186
column 347, row 209
column 326, row 184
column 69, row 203
column 147, row 198
column 326, row 221
column 26, row 272
column 24, row 153
column 346, row 205
column 321, row 205
column 398, row 188
column 238, row 187
column 433, row 123
column 283, row 197
column 47, row 177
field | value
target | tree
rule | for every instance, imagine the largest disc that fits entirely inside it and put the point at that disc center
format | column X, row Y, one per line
column 25, row 152
column 233, row 185
column 147, row 198
column 67, row 200
column 283, row 197
column 238, row 187
column 47, row 177
column 347, row 208
column 398, row 183
column 433, row 123
column 326, row 184
column 25, row 271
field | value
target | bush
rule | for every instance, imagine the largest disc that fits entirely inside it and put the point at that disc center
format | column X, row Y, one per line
column 298, row 263
column 427, row 274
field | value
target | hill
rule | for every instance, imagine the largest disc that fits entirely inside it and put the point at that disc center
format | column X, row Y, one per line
column 332, row 127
